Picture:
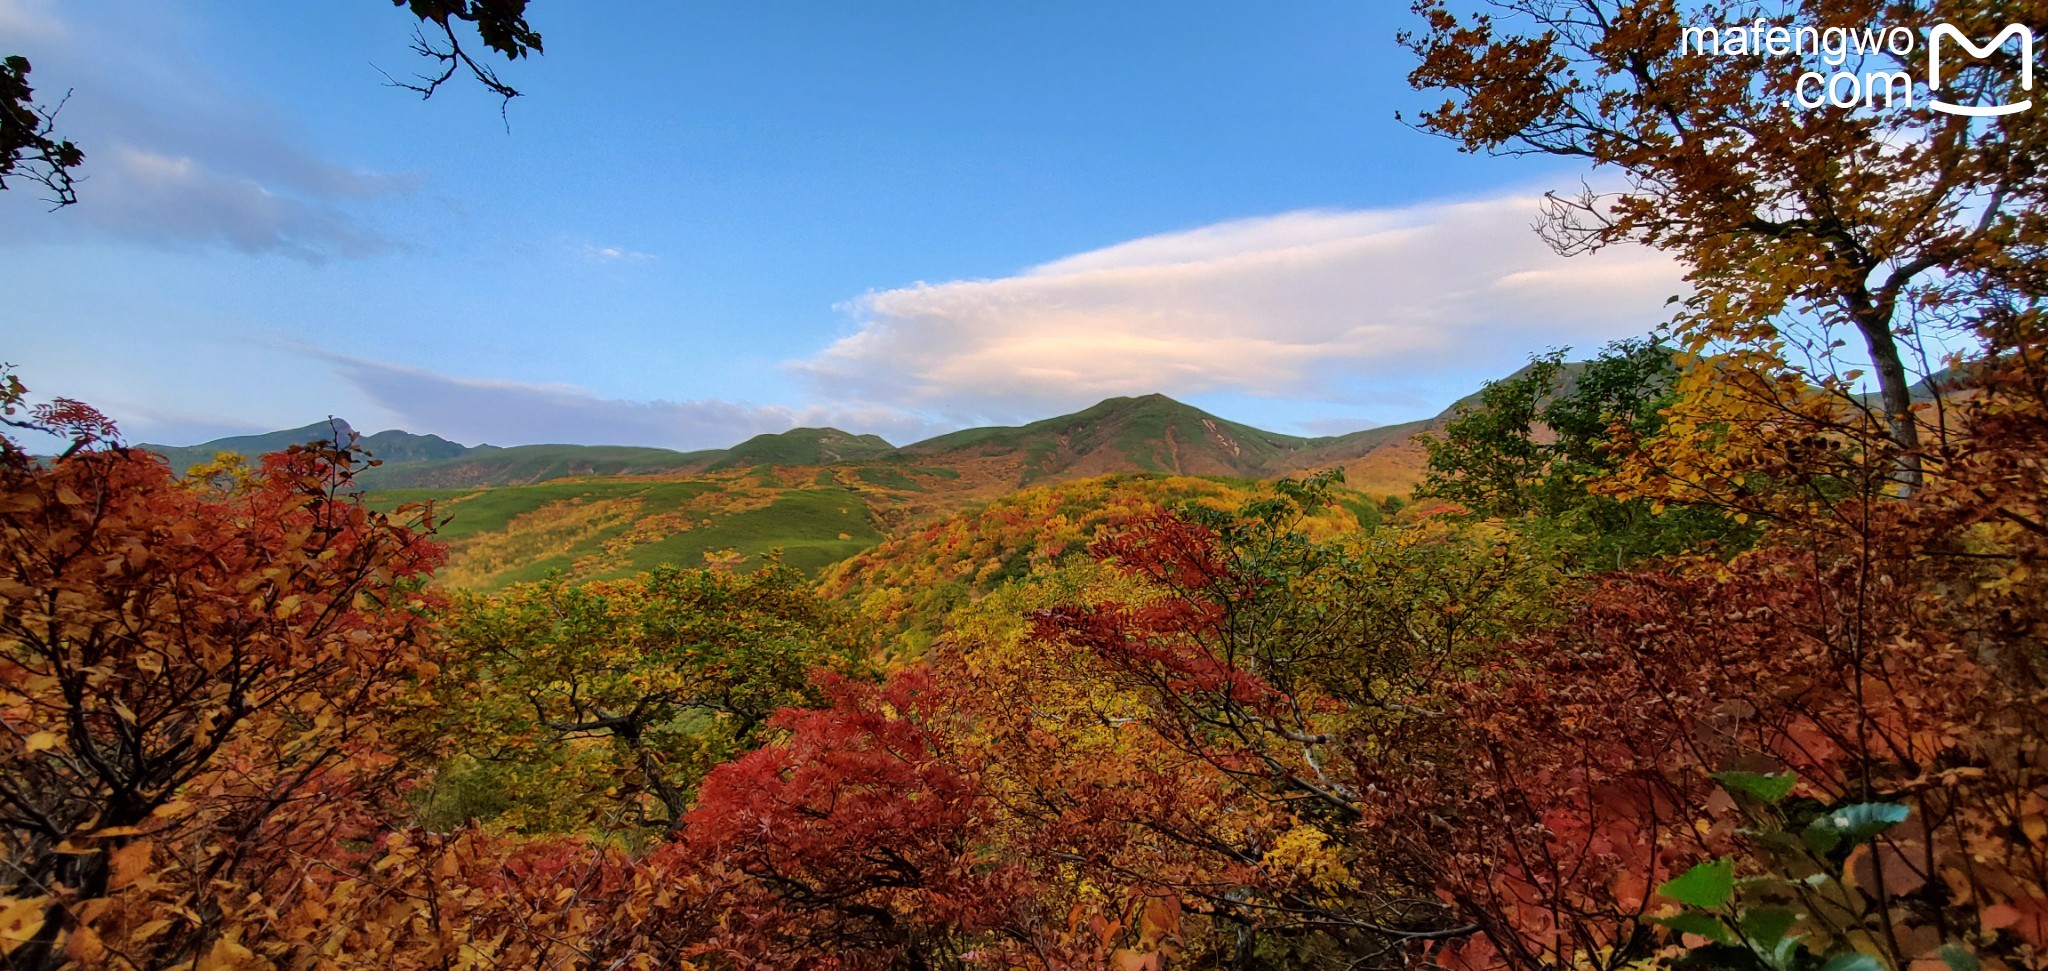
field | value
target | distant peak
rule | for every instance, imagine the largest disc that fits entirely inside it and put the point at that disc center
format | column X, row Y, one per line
column 1125, row 401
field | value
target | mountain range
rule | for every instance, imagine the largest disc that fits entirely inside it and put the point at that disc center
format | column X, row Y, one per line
column 819, row 497
column 1150, row 433
column 829, row 501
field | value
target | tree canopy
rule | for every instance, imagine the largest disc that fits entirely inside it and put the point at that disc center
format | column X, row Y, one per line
column 1891, row 221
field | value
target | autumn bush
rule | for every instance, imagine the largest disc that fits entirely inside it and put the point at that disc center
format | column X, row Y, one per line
column 209, row 695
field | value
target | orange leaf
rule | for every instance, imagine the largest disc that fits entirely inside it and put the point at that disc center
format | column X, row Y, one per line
column 2027, row 918
column 130, row 863
column 1126, row 959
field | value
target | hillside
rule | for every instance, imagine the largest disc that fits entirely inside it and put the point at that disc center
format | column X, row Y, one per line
column 1155, row 433
column 489, row 465
column 912, row 579
column 428, row 461
column 1383, row 461
column 1152, row 433
column 393, row 446
column 803, row 446
column 593, row 528
column 184, row 457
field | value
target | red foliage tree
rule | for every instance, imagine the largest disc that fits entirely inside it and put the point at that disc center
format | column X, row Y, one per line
column 1885, row 653
column 854, row 843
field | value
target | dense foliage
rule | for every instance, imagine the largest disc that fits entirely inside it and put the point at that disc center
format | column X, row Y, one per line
column 611, row 700
column 208, row 695
column 1240, row 731
column 1532, row 447
column 1698, row 657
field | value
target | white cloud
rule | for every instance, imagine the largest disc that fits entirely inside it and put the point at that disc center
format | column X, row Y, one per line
column 174, row 157
column 170, row 200
column 29, row 20
column 614, row 254
column 1293, row 305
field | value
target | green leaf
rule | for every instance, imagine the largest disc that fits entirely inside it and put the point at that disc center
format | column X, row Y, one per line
column 1853, row 823
column 1695, row 923
column 1706, row 886
column 1764, row 926
column 1957, row 957
column 1782, row 954
column 1855, row 961
column 1768, row 789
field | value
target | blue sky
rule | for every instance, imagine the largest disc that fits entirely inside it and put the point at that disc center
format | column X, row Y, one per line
column 712, row 219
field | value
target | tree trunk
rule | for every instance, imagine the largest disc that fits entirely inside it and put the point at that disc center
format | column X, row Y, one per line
column 86, row 876
column 670, row 797
column 1896, row 394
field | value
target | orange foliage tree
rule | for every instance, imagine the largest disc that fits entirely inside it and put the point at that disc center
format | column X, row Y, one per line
column 857, row 842
column 205, row 693
column 1877, row 218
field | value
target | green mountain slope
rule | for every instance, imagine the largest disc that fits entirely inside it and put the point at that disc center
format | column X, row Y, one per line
column 821, row 495
column 250, row 446
column 803, row 446
column 1155, row 433
column 489, row 465
column 1152, row 433
column 412, row 461
column 396, row 446
column 392, row 446
column 1145, row 434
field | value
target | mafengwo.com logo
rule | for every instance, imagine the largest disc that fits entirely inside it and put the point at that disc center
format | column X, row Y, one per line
column 1943, row 54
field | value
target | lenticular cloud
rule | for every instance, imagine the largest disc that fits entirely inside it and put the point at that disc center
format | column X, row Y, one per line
column 1275, row 305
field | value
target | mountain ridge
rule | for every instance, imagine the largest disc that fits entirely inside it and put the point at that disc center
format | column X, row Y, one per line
column 1144, row 433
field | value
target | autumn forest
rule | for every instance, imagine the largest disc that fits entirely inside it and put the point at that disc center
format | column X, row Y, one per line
column 1720, row 647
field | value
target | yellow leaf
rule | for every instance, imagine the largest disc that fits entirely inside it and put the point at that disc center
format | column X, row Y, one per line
column 227, row 954
column 20, row 919
column 41, row 741
column 150, row 929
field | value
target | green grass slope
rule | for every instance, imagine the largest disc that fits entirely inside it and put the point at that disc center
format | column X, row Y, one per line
column 1146, row 434
column 592, row 528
